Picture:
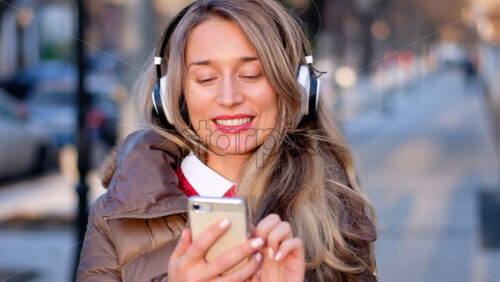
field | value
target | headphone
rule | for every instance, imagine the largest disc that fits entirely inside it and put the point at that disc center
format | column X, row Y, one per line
column 305, row 77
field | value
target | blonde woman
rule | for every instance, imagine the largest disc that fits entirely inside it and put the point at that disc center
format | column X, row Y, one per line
column 231, row 103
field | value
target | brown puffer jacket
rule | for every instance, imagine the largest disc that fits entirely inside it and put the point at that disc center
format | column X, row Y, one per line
column 133, row 228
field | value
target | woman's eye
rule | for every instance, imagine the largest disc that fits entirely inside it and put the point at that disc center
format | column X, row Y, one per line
column 251, row 77
column 204, row 81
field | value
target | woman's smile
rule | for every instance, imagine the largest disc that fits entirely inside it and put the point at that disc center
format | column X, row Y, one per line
column 233, row 123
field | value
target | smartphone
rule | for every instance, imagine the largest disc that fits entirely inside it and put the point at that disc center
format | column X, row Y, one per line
column 205, row 211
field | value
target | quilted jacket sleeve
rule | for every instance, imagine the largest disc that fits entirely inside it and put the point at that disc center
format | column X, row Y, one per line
column 98, row 259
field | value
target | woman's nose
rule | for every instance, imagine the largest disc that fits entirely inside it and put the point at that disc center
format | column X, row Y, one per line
column 230, row 93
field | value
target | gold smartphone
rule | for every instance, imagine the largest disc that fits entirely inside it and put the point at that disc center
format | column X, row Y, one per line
column 205, row 211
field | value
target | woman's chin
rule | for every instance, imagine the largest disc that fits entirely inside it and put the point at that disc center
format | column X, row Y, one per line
column 232, row 151
column 241, row 145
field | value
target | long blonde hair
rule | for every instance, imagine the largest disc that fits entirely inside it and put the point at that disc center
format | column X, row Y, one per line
column 304, row 172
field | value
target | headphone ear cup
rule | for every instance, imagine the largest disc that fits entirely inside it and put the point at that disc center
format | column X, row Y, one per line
column 313, row 95
column 304, row 80
column 312, row 85
column 161, row 101
column 165, row 99
column 318, row 92
column 155, row 98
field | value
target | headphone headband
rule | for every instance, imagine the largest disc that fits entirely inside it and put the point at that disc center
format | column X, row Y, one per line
column 165, row 37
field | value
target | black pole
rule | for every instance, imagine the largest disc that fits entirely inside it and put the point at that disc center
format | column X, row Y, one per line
column 82, row 188
column 20, row 45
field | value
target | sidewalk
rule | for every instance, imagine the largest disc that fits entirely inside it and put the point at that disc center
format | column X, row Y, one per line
column 37, row 240
column 423, row 165
column 49, row 196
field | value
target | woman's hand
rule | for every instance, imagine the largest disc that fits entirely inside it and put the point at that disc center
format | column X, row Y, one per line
column 187, row 262
column 284, row 255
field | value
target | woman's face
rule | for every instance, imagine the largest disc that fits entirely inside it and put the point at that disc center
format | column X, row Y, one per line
column 231, row 104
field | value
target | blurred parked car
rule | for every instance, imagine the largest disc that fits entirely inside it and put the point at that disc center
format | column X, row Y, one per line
column 24, row 147
column 102, row 117
column 23, row 82
column 451, row 54
column 50, row 91
column 53, row 105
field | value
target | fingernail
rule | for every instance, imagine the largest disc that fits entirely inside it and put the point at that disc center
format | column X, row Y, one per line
column 183, row 233
column 258, row 257
column 257, row 243
column 258, row 272
column 224, row 223
column 279, row 256
column 270, row 253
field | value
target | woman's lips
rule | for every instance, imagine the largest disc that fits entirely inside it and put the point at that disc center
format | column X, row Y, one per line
column 233, row 123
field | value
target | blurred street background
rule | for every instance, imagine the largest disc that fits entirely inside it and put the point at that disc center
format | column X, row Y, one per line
column 413, row 84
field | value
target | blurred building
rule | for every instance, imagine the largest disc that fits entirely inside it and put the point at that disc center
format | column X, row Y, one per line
column 31, row 30
column 485, row 15
column 18, row 36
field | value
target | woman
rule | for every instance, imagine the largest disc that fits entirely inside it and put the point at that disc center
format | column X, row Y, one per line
column 242, row 126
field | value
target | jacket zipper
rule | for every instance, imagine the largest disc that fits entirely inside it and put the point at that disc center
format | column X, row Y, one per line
column 152, row 216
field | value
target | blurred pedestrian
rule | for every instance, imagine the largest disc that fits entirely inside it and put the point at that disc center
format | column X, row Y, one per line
column 232, row 110
column 470, row 68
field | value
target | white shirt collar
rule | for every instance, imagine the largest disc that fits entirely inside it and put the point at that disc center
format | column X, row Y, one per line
column 204, row 180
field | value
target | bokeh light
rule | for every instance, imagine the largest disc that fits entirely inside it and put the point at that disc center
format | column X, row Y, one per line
column 346, row 77
column 380, row 30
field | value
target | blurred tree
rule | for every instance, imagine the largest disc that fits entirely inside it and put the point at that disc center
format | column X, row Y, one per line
column 309, row 12
column 440, row 12
column 366, row 11
column 334, row 16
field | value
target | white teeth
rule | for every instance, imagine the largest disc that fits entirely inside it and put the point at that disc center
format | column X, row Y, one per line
column 233, row 122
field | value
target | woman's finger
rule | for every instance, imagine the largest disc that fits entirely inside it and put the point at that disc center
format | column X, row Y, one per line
column 255, row 277
column 290, row 246
column 182, row 244
column 266, row 224
column 247, row 271
column 235, row 256
column 279, row 233
column 205, row 240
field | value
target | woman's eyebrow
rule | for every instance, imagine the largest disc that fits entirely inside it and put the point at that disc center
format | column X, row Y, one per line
column 208, row 62
column 199, row 63
column 248, row 59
